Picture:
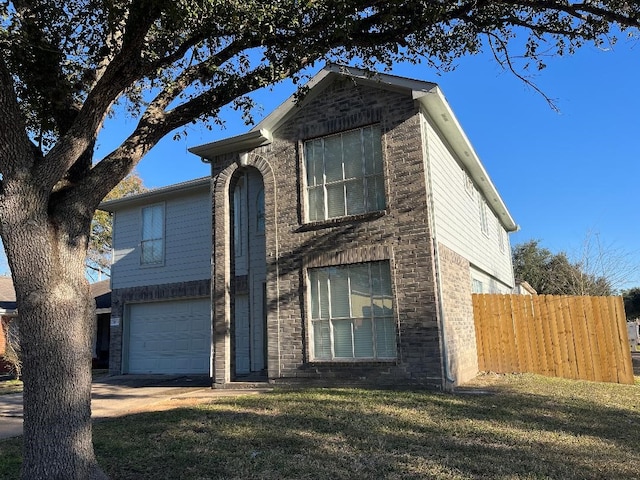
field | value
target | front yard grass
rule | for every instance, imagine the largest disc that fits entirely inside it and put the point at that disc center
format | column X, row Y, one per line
column 504, row 426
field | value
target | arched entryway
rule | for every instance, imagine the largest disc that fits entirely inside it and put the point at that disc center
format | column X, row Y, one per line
column 249, row 332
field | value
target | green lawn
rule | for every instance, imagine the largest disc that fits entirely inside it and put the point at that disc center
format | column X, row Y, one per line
column 507, row 427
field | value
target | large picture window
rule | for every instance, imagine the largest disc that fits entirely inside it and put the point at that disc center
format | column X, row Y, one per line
column 352, row 312
column 152, row 243
column 344, row 174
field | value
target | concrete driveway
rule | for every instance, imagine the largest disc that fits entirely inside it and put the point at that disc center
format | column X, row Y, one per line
column 126, row 394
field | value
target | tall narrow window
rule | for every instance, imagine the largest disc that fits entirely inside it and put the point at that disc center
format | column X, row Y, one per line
column 152, row 244
column 238, row 220
column 344, row 174
column 352, row 312
column 482, row 209
column 260, row 211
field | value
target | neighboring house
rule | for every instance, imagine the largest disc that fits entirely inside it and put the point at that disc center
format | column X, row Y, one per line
column 7, row 314
column 100, row 291
column 345, row 235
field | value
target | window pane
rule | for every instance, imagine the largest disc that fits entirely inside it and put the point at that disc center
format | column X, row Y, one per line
column 367, row 148
column 355, row 197
column 333, row 158
column 360, row 291
column 385, row 337
column 260, row 211
column 314, row 163
column 375, row 193
column 156, row 222
column 315, row 293
column 342, row 345
column 316, row 203
column 352, row 154
column 340, row 293
column 321, row 339
column 152, row 222
column 335, row 200
column 362, row 338
column 377, row 148
column 152, row 251
column 382, row 297
column 323, row 286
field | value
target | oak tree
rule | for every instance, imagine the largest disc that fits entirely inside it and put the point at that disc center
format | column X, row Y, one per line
column 64, row 66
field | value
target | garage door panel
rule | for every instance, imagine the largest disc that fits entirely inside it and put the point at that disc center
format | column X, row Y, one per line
column 170, row 337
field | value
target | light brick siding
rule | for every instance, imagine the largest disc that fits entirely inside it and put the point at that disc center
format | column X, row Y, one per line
column 400, row 234
column 458, row 315
column 151, row 293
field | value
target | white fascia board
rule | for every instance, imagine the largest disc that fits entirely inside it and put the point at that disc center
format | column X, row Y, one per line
column 239, row 143
column 441, row 114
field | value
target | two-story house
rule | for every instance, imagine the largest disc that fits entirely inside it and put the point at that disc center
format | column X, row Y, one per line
column 338, row 240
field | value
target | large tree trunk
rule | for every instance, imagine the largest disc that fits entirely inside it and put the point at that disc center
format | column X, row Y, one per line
column 46, row 253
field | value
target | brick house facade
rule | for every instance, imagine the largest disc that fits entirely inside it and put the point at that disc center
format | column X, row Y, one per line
column 348, row 232
column 401, row 235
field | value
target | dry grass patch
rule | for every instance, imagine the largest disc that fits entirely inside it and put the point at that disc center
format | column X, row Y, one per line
column 521, row 427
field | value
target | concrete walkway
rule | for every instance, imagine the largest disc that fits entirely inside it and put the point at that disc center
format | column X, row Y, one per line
column 128, row 394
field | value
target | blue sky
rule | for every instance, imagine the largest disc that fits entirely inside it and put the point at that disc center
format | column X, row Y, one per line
column 563, row 176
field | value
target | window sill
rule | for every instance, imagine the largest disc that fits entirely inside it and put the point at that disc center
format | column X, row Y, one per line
column 356, row 361
column 334, row 222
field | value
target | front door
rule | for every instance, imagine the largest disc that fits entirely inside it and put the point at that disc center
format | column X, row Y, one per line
column 249, row 322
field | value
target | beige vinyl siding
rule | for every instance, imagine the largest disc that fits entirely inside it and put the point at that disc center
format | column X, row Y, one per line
column 187, row 244
column 457, row 217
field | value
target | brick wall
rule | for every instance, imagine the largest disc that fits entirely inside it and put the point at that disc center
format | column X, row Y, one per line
column 151, row 293
column 400, row 234
column 458, row 315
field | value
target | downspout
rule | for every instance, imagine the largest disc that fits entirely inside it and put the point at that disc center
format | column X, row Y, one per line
column 449, row 380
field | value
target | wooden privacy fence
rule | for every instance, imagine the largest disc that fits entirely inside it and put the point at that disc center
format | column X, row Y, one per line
column 559, row 336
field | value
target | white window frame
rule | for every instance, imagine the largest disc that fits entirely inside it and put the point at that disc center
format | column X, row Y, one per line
column 157, row 259
column 369, row 203
column 387, row 320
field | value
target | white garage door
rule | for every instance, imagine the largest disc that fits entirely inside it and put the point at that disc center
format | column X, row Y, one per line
column 170, row 337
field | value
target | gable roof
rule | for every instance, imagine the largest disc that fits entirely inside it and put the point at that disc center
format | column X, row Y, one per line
column 427, row 94
column 156, row 194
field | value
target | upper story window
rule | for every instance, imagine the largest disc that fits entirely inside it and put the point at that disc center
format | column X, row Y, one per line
column 152, row 244
column 501, row 235
column 344, row 174
column 484, row 222
column 352, row 312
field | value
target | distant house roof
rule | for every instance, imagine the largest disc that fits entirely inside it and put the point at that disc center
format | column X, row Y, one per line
column 156, row 194
column 101, row 291
column 7, row 294
column 427, row 94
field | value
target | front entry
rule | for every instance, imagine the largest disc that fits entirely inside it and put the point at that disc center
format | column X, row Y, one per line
column 249, row 268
